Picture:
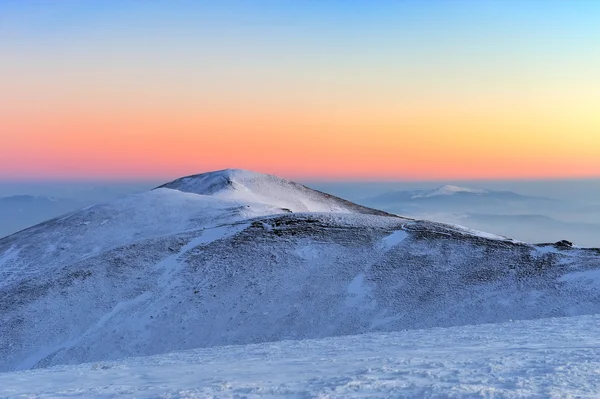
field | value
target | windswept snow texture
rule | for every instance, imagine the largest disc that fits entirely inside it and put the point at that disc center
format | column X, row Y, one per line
column 217, row 260
column 549, row 358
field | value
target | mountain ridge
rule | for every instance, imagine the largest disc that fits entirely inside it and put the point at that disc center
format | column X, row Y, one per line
column 245, row 185
column 446, row 192
column 170, row 270
column 450, row 189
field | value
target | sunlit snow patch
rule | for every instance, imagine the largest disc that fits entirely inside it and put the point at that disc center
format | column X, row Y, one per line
column 393, row 239
column 172, row 265
column 478, row 233
column 359, row 292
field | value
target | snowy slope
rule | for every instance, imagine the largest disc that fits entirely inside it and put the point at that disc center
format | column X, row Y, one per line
column 548, row 358
column 203, row 263
column 97, row 229
column 185, row 205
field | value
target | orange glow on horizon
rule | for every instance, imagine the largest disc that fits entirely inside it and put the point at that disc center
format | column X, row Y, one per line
column 454, row 145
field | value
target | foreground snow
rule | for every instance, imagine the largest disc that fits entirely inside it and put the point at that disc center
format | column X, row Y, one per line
column 540, row 358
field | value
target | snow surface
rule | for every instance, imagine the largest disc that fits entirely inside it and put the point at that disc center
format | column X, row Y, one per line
column 286, row 276
column 546, row 358
column 10, row 254
column 125, row 221
column 590, row 278
column 394, row 239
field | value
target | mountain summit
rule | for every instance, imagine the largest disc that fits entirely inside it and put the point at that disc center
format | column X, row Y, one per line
column 252, row 187
column 236, row 257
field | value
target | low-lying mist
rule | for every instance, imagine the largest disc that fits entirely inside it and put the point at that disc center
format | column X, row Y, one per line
column 532, row 211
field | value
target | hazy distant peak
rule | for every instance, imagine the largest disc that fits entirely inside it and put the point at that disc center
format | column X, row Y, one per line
column 450, row 190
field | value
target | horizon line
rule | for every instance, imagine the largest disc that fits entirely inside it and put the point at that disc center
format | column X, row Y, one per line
column 305, row 178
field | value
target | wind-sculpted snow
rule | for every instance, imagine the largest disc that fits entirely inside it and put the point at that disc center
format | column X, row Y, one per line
column 170, row 270
column 548, row 358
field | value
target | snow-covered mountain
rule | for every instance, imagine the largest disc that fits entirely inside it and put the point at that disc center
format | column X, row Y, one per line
column 256, row 188
column 236, row 257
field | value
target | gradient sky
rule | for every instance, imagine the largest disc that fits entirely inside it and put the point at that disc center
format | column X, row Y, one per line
column 319, row 89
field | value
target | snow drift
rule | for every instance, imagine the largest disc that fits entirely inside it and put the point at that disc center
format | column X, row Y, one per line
column 547, row 358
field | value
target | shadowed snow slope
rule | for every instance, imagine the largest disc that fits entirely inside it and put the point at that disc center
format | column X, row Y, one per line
column 213, row 259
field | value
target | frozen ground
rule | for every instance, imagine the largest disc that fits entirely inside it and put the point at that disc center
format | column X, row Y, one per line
column 546, row 358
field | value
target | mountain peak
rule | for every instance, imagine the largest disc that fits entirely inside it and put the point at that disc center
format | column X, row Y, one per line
column 211, row 183
column 245, row 186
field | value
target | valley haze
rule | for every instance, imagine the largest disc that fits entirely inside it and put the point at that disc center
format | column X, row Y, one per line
column 575, row 214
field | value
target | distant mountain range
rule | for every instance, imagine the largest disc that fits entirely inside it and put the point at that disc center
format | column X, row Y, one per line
column 527, row 218
column 526, row 227
column 460, row 198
